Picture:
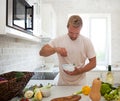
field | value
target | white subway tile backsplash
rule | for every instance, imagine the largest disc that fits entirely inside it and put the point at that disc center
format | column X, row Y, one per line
column 0, row 51
column 16, row 54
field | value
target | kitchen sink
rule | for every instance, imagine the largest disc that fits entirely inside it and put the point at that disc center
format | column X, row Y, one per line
column 44, row 75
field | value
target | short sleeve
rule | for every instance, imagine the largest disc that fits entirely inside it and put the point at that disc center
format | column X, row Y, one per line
column 90, row 51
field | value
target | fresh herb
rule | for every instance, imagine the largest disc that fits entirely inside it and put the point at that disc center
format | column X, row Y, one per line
column 19, row 75
column 73, row 64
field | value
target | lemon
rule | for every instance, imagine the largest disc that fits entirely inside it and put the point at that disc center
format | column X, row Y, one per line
column 28, row 94
column 38, row 96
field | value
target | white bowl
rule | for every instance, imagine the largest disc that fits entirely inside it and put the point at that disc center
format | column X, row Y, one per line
column 46, row 92
column 68, row 67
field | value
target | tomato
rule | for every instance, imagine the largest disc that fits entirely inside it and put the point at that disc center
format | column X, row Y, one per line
column 24, row 99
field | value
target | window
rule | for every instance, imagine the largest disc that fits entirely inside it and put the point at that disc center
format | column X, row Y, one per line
column 97, row 28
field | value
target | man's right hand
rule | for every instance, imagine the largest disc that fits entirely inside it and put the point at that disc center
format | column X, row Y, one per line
column 61, row 51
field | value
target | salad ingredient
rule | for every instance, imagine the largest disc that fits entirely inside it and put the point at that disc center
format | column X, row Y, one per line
column 95, row 94
column 112, row 95
column 24, row 99
column 38, row 96
column 85, row 90
column 105, row 88
column 28, row 94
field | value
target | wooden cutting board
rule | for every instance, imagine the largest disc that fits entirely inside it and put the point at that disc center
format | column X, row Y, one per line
column 68, row 98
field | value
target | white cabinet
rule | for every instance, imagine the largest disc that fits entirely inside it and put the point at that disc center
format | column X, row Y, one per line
column 2, row 16
column 48, row 17
column 5, row 30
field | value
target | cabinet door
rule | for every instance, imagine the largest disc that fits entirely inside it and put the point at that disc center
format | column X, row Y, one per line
column 37, row 18
column 2, row 16
column 48, row 17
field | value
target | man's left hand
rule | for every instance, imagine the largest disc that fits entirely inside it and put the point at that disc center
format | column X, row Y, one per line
column 75, row 72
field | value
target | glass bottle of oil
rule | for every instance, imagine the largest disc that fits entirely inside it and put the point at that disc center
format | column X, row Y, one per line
column 109, row 76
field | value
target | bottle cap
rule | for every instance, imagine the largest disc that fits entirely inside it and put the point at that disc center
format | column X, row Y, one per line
column 109, row 67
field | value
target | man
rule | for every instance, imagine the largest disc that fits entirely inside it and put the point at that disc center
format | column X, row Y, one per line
column 72, row 48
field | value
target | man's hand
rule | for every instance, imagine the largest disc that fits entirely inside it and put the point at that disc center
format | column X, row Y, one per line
column 75, row 72
column 61, row 51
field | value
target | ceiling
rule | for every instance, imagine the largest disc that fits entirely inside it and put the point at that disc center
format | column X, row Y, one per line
column 60, row 1
column 83, row 4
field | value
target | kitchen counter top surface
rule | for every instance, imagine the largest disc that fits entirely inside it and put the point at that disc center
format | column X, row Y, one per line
column 60, row 91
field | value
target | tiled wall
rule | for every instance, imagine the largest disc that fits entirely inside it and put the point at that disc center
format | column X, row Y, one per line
column 18, row 54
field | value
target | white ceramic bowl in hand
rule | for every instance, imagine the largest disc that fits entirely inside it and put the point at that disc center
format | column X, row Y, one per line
column 68, row 67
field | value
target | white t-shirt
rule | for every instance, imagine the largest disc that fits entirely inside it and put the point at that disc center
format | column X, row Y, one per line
column 78, row 51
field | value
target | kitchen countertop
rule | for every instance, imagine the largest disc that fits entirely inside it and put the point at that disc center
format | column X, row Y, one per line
column 60, row 91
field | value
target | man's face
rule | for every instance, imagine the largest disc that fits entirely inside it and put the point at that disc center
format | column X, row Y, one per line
column 73, row 32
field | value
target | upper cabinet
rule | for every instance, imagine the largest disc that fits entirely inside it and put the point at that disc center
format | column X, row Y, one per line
column 2, row 16
column 37, row 16
column 21, row 19
column 48, row 18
